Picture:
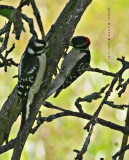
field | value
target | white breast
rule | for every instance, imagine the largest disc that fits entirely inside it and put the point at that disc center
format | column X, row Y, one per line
column 35, row 87
column 38, row 81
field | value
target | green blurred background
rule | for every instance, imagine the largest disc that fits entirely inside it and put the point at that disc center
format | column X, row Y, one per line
column 56, row 140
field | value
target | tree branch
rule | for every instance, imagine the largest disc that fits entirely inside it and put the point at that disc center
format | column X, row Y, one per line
column 125, row 66
column 38, row 18
column 65, row 112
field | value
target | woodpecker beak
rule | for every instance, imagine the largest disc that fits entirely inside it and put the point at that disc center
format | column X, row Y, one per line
column 67, row 44
column 70, row 43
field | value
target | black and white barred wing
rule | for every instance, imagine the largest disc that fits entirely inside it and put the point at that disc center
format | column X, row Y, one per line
column 27, row 76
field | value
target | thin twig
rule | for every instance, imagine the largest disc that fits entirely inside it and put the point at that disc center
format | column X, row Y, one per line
column 7, row 62
column 49, row 105
column 125, row 137
column 120, row 152
column 89, row 98
column 38, row 18
column 23, row 3
column 100, row 71
column 123, row 87
column 31, row 25
column 85, row 146
column 111, row 104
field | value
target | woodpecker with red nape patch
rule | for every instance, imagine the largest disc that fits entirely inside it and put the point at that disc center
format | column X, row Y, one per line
column 73, row 65
column 30, row 74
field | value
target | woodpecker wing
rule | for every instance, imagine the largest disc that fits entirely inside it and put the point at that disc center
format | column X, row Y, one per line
column 68, row 64
column 27, row 75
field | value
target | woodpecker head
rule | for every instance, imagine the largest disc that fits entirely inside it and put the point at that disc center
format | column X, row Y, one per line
column 36, row 46
column 80, row 42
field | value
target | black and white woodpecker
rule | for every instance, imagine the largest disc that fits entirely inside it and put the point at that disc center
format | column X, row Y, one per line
column 30, row 74
column 73, row 65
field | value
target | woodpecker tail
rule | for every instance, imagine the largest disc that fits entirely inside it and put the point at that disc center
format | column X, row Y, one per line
column 55, row 86
column 24, row 113
column 23, row 116
column 57, row 92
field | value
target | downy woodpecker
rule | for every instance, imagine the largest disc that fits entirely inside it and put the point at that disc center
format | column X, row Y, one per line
column 30, row 74
column 73, row 65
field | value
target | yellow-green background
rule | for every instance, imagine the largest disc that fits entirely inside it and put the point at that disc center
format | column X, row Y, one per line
column 56, row 140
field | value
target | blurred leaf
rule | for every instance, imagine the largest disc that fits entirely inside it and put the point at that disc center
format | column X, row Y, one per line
column 6, row 13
